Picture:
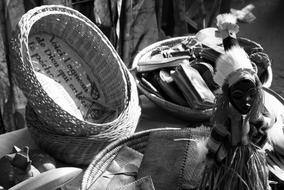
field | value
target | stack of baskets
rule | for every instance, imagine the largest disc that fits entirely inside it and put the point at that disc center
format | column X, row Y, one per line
column 81, row 95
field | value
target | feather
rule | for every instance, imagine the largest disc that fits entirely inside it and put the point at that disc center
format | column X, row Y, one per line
column 227, row 25
column 202, row 148
column 226, row 18
column 245, row 14
column 234, row 59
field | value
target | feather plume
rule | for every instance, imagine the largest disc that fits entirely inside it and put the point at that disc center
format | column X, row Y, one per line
column 201, row 143
column 245, row 14
column 202, row 148
column 227, row 25
column 234, row 59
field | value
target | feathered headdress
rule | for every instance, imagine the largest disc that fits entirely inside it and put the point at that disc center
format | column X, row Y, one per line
column 234, row 64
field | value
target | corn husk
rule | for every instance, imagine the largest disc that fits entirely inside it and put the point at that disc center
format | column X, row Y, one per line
column 206, row 71
column 169, row 87
column 150, row 87
column 196, row 92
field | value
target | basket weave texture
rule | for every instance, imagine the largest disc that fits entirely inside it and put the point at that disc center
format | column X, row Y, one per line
column 137, row 141
column 69, row 149
column 183, row 112
column 73, row 78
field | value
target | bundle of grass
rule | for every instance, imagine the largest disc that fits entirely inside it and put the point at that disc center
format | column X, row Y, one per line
column 245, row 168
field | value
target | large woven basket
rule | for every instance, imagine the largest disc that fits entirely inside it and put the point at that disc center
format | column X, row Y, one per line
column 183, row 112
column 72, row 76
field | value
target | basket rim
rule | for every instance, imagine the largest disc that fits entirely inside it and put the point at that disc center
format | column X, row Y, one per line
column 47, row 10
column 173, row 105
column 110, row 133
column 135, row 65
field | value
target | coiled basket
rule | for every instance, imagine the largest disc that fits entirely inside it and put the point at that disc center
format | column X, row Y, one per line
column 77, row 85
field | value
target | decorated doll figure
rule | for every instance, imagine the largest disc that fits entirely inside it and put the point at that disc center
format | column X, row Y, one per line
column 240, row 121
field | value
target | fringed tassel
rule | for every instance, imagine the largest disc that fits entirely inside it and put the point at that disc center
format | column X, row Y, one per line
column 245, row 168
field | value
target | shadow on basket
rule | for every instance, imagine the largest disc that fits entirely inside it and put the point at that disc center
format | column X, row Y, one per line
column 81, row 95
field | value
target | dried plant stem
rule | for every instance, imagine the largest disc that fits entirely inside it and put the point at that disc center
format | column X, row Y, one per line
column 244, row 168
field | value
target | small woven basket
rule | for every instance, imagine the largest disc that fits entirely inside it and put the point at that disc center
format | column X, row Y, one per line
column 137, row 141
column 183, row 112
column 72, row 76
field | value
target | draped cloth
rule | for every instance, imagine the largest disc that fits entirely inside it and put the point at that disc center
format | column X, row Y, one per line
column 131, row 25
column 173, row 158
